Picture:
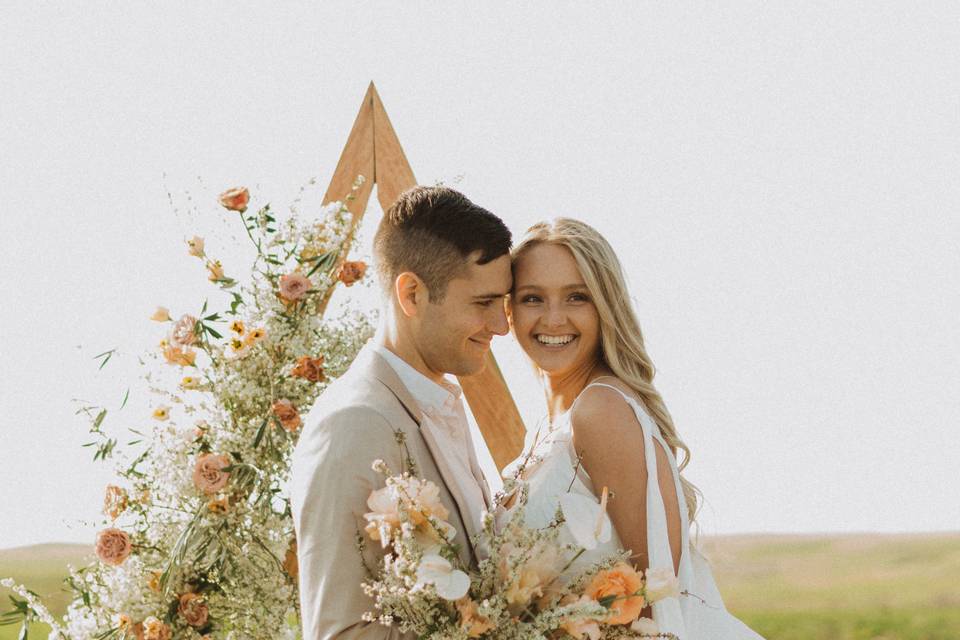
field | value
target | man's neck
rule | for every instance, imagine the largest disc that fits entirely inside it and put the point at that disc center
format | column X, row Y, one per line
column 391, row 339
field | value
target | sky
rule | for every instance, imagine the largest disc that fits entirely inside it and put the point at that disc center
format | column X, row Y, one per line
column 778, row 179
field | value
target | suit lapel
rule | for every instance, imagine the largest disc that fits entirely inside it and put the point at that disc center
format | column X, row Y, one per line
column 383, row 372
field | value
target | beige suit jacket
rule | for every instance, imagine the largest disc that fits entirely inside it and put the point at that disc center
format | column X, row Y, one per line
column 352, row 424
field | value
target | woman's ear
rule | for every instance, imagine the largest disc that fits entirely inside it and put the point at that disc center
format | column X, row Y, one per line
column 410, row 292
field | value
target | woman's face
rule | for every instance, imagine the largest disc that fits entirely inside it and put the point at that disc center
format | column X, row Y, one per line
column 551, row 311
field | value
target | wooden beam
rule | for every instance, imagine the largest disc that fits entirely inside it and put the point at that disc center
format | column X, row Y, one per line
column 373, row 151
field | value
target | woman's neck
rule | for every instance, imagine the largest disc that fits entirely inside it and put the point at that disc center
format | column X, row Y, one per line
column 562, row 389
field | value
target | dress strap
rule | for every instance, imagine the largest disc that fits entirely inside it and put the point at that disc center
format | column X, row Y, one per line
column 666, row 612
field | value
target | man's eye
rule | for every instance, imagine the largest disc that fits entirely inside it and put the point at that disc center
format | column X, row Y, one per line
column 485, row 303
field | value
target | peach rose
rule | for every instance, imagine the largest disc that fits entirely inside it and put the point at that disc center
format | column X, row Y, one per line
column 175, row 354
column 294, row 286
column 113, row 546
column 162, row 314
column 193, row 609
column 351, row 272
column 580, row 628
column 287, row 414
column 154, row 629
column 195, row 246
column 115, row 501
column 290, row 562
column 183, row 332
column 208, row 474
column 235, row 199
column 309, row 368
column 127, row 628
column 470, row 621
column 621, row 582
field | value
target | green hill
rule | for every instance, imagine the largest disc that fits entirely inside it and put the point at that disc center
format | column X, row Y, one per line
column 787, row 587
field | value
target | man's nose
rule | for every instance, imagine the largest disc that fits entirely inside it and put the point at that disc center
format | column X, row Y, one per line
column 499, row 324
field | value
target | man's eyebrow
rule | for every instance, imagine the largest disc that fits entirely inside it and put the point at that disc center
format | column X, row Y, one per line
column 490, row 296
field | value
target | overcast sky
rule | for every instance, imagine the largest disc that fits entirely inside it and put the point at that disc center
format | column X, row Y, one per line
column 779, row 179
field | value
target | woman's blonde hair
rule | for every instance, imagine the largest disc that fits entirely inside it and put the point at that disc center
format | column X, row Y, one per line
column 621, row 340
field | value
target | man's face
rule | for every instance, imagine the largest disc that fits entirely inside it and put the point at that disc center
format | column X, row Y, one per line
column 453, row 336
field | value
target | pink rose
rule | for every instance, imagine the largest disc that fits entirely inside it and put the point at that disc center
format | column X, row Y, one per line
column 193, row 609
column 113, row 546
column 350, row 272
column 294, row 286
column 287, row 414
column 183, row 333
column 235, row 199
column 208, row 474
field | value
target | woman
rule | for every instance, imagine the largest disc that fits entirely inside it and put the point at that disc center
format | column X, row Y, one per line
column 609, row 427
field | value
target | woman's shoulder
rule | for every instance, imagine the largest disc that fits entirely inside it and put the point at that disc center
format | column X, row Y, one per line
column 604, row 404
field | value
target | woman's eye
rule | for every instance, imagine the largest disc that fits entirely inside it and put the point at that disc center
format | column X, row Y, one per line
column 529, row 299
column 579, row 297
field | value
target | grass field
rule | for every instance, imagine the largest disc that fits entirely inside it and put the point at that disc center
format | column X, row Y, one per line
column 850, row 587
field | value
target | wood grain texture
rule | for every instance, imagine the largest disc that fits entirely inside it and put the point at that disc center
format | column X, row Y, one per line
column 373, row 151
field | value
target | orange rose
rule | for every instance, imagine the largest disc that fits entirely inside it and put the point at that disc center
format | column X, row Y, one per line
column 154, row 629
column 193, row 609
column 235, row 199
column 154, row 582
column 287, row 414
column 113, row 546
column 115, row 501
column 290, row 562
column 621, row 582
column 208, row 474
column 128, row 629
column 309, row 368
column 350, row 272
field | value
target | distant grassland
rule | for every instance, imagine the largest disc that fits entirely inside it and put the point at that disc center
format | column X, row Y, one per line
column 838, row 587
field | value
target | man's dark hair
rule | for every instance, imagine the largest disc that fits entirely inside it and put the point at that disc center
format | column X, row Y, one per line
column 431, row 231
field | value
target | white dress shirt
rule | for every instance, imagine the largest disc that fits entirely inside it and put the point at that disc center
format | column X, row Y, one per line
column 445, row 417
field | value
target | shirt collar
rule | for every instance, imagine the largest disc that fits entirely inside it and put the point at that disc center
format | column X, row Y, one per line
column 425, row 391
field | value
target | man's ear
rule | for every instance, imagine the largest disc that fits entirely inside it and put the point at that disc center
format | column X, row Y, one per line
column 411, row 292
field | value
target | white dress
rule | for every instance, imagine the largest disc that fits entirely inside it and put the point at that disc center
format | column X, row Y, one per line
column 549, row 472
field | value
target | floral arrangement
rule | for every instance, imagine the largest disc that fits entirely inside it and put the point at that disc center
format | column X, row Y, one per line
column 527, row 585
column 197, row 541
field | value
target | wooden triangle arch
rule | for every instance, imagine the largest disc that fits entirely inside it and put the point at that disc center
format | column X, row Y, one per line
column 373, row 151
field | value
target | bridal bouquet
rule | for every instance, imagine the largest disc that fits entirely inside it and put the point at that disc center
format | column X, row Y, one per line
column 521, row 589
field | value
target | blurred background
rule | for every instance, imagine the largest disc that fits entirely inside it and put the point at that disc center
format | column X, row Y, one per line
column 780, row 182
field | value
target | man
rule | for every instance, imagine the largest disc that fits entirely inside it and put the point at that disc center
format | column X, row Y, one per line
column 444, row 268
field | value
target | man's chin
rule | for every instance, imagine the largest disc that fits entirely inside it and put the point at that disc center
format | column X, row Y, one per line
column 470, row 367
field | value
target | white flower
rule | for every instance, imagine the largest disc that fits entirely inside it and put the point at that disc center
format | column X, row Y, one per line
column 586, row 520
column 661, row 583
column 450, row 583
column 645, row 626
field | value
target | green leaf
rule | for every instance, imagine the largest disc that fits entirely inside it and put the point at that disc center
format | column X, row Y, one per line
column 126, row 397
column 260, row 432
column 99, row 419
column 108, row 354
column 324, row 262
column 204, row 307
column 213, row 332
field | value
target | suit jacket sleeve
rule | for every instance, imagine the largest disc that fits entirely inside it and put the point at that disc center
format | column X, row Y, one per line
column 331, row 481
